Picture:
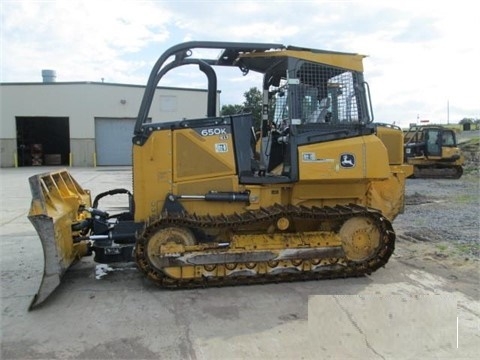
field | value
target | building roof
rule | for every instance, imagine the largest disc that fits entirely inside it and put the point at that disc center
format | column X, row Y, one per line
column 99, row 83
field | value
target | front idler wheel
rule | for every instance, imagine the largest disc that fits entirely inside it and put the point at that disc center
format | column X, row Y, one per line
column 360, row 238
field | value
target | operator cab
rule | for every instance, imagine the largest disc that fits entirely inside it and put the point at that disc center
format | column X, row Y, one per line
column 309, row 96
column 428, row 141
column 306, row 102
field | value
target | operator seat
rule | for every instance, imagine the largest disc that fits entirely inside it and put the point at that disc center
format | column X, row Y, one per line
column 320, row 114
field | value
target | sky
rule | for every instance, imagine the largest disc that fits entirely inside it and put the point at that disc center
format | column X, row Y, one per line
column 422, row 59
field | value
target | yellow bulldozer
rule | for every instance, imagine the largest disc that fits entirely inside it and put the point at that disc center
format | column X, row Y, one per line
column 310, row 195
column 433, row 152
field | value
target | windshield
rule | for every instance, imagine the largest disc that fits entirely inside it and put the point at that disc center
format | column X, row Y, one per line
column 325, row 96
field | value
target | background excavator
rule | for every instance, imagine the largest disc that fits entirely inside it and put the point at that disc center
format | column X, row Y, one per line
column 433, row 152
column 312, row 196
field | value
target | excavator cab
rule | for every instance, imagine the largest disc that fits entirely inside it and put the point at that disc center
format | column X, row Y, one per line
column 311, row 197
column 433, row 152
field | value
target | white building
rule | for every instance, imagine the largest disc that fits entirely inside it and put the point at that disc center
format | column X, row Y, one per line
column 82, row 123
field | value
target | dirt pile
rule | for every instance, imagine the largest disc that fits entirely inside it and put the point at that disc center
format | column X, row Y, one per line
column 471, row 152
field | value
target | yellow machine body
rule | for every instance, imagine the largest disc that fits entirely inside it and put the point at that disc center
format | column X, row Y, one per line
column 433, row 152
column 310, row 194
column 373, row 182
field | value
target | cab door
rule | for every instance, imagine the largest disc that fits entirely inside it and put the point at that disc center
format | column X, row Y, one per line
column 433, row 142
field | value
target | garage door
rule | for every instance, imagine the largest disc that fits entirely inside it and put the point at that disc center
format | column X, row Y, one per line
column 113, row 141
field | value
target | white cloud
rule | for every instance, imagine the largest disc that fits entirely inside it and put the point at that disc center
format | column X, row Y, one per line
column 82, row 40
column 421, row 54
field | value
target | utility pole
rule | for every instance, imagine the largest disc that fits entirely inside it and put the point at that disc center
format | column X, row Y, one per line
column 448, row 111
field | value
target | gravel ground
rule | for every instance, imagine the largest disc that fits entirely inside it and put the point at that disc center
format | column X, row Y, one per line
column 440, row 229
column 442, row 211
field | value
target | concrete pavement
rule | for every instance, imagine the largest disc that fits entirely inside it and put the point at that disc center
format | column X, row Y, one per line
column 121, row 315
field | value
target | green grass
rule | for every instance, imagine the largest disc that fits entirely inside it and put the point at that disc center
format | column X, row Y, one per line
column 464, row 250
column 472, row 142
column 419, row 221
column 465, row 199
column 442, row 247
column 470, row 249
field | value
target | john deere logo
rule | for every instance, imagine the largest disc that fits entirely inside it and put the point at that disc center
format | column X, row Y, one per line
column 347, row 160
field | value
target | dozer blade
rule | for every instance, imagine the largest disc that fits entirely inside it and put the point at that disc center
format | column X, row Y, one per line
column 56, row 203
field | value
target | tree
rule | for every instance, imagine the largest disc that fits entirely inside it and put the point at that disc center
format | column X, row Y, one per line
column 253, row 103
column 231, row 109
column 470, row 121
column 466, row 121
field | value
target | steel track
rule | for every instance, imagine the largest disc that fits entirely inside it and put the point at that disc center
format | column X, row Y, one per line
column 446, row 172
column 330, row 268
